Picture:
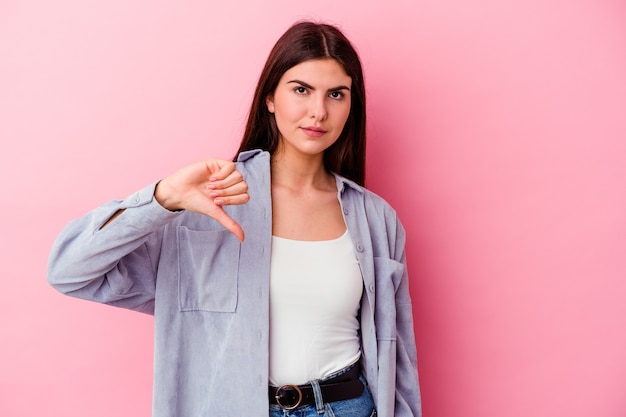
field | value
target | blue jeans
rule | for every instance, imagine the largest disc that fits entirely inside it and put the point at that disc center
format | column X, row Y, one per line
column 362, row 406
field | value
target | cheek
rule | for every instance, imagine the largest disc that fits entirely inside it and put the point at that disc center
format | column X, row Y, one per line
column 344, row 114
column 284, row 120
column 286, row 110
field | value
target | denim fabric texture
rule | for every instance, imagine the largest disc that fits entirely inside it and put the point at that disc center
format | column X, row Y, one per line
column 209, row 294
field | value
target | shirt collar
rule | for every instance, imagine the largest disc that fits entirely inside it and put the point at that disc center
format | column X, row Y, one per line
column 342, row 182
column 245, row 155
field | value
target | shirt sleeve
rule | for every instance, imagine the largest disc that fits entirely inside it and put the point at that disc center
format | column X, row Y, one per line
column 408, row 397
column 116, row 264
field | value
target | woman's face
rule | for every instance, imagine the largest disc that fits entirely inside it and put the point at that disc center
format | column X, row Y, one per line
column 311, row 105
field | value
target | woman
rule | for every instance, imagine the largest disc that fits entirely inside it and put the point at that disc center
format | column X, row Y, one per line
column 310, row 315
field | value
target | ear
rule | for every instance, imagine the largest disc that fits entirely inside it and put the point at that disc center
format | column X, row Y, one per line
column 269, row 102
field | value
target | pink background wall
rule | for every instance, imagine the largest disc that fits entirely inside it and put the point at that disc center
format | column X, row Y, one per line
column 498, row 131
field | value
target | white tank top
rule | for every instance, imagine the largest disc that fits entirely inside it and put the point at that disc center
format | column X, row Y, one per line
column 315, row 294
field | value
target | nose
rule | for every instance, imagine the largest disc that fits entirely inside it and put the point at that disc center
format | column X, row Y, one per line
column 318, row 108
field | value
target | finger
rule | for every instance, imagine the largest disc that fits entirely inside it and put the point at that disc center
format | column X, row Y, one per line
column 219, row 169
column 231, row 179
column 234, row 190
column 231, row 225
column 232, row 200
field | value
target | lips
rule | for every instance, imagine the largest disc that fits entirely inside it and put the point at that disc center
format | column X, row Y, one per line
column 313, row 131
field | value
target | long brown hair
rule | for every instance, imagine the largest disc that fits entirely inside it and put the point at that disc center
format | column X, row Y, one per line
column 302, row 42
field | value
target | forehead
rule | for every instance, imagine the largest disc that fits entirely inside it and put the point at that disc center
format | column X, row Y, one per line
column 320, row 73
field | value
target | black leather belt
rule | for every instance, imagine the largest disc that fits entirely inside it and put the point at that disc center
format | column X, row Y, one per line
column 342, row 387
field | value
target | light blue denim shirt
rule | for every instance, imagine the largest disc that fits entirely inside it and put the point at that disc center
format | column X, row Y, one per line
column 209, row 294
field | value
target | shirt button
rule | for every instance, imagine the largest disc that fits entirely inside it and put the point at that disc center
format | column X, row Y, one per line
column 345, row 211
column 136, row 200
column 359, row 247
column 372, row 287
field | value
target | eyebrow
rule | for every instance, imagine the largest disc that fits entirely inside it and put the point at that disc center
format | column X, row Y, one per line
column 310, row 87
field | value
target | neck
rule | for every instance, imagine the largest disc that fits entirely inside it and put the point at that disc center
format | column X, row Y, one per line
column 300, row 172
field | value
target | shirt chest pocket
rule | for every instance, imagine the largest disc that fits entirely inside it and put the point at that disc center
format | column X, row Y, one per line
column 389, row 274
column 208, row 264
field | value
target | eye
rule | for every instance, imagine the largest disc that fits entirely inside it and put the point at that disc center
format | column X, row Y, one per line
column 300, row 90
column 336, row 95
